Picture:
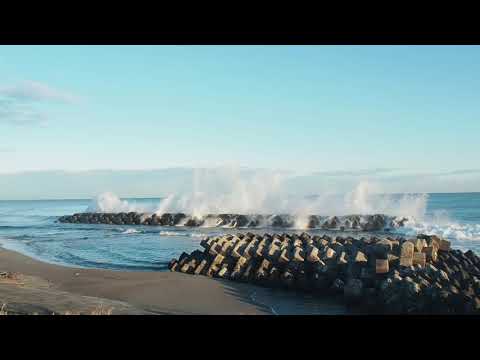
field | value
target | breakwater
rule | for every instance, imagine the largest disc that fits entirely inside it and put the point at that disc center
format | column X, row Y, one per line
column 387, row 275
column 349, row 222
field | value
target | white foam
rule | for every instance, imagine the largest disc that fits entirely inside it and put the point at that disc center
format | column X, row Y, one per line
column 217, row 192
column 170, row 233
column 131, row 231
column 173, row 233
column 197, row 235
column 210, row 222
column 440, row 224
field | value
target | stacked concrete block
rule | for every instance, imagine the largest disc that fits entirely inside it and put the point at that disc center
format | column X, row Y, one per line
column 398, row 275
column 348, row 222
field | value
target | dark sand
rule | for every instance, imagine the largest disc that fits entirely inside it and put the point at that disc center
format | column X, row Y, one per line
column 47, row 288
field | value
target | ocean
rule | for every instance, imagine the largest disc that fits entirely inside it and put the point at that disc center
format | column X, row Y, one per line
column 30, row 227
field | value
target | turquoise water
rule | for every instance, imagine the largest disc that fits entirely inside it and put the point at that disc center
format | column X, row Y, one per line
column 30, row 227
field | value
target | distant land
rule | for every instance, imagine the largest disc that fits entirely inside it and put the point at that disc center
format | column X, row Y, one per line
column 162, row 182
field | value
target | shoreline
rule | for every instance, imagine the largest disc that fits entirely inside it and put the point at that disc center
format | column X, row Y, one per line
column 61, row 289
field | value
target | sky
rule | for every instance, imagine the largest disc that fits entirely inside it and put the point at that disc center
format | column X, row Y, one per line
column 405, row 116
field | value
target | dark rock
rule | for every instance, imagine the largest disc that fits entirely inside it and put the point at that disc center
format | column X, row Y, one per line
column 338, row 285
column 353, row 290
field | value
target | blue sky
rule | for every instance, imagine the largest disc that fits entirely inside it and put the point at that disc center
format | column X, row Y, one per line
column 305, row 109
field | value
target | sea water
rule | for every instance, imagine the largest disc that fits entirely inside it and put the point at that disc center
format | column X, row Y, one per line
column 30, row 227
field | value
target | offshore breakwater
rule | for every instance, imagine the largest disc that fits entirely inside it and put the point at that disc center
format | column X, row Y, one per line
column 349, row 222
column 386, row 275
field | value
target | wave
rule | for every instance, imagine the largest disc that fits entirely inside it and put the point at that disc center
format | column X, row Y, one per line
column 452, row 231
column 174, row 233
column 231, row 192
column 109, row 202
column 131, row 231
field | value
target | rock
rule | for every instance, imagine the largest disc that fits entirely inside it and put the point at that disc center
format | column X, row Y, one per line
column 215, row 265
column 155, row 220
column 412, row 287
column 382, row 248
column 312, row 255
column 419, row 258
column 298, row 254
column 273, row 251
column 375, row 222
column 368, row 270
column 183, row 257
column 444, row 245
column 177, row 218
column 360, row 257
column 406, row 254
column 185, row 268
column 237, row 249
column 248, row 272
column 474, row 258
column 288, row 279
column 443, row 277
column 241, row 262
column 473, row 306
column 431, row 253
column 313, row 222
column 319, row 282
column 259, row 252
column 250, row 249
column 353, row 290
column 393, row 260
column 338, row 285
column 172, row 265
column 274, row 276
column 381, row 266
column 329, row 254
column 201, row 267
column 214, row 248
column 276, row 221
column 205, row 243
column 420, row 244
column 342, row 259
column 223, row 272
column 284, row 257
column 227, row 245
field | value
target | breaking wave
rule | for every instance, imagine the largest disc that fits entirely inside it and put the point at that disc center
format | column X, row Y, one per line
column 265, row 195
column 440, row 224
column 131, row 231
column 175, row 233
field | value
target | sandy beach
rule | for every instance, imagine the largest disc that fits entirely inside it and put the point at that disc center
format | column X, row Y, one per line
column 45, row 288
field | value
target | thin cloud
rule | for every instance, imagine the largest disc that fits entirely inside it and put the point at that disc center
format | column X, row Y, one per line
column 34, row 91
column 432, row 175
column 14, row 114
column 17, row 103
column 362, row 172
column 458, row 172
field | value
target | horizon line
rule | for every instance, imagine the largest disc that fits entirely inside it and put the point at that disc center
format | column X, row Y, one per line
column 161, row 197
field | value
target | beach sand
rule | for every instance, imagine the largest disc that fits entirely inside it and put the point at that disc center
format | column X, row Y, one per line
column 45, row 288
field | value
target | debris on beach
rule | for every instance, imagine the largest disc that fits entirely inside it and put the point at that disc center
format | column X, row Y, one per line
column 385, row 275
column 8, row 275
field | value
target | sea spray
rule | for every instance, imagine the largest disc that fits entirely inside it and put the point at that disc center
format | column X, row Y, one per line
column 109, row 202
column 442, row 225
column 230, row 191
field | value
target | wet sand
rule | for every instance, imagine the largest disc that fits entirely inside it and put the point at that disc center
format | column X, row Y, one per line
column 45, row 288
